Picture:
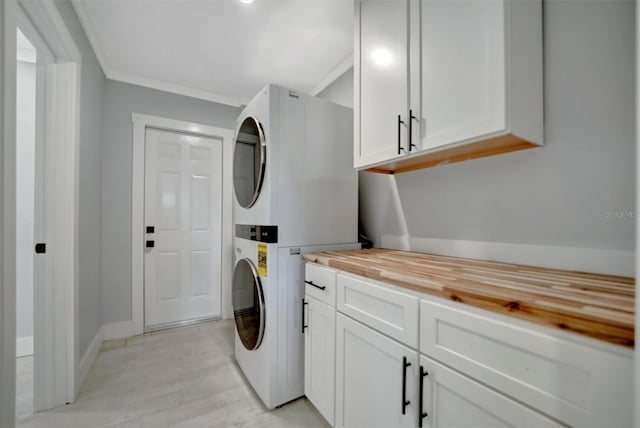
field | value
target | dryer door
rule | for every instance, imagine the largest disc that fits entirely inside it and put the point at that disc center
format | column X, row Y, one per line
column 248, row 304
column 249, row 161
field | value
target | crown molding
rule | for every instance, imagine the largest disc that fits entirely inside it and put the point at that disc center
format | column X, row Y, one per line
column 337, row 71
column 134, row 79
column 173, row 88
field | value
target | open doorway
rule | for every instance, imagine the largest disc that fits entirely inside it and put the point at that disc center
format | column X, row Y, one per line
column 25, row 222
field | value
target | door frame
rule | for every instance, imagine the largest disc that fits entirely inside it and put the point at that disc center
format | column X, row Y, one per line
column 7, row 214
column 56, row 305
column 140, row 124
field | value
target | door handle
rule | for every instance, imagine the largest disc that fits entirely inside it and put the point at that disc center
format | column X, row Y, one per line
column 303, row 324
column 411, row 119
column 321, row 287
column 405, row 402
column 400, row 123
column 150, row 244
column 422, row 414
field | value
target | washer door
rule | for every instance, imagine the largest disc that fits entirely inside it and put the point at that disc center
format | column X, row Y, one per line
column 249, row 160
column 248, row 304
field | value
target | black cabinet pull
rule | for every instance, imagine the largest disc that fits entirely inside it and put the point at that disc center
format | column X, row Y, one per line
column 150, row 244
column 400, row 123
column 303, row 324
column 422, row 414
column 405, row 402
column 41, row 248
column 321, row 287
column 411, row 119
column 151, row 229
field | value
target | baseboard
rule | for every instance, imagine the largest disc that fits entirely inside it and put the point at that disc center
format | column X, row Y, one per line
column 24, row 346
column 88, row 358
column 118, row 330
column 596, row 260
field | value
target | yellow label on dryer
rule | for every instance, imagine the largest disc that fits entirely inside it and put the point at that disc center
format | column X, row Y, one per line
column 262, row 259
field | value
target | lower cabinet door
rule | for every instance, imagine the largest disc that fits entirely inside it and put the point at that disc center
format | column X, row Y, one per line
column 450, row 399
column 376, row 378
column 319, row 357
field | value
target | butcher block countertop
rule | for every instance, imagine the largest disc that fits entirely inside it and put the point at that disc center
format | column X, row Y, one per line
column 594, row 305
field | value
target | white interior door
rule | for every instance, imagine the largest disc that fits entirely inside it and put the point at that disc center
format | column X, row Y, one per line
column 183, row 205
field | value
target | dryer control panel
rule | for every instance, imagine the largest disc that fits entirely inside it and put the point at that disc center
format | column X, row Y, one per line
column 268, row 234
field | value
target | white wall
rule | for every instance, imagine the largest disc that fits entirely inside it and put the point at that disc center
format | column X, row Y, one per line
column 25, row 186
column 560, row 194
column 122, row 99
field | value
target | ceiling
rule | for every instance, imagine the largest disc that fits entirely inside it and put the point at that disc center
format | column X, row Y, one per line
column 221, row 50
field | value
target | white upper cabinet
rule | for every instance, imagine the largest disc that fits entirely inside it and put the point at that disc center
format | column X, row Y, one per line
column 381, row 70
column 473, row 88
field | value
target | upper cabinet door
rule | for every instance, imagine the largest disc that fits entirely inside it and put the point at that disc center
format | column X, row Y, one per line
column 460, row 60
column 381, row 80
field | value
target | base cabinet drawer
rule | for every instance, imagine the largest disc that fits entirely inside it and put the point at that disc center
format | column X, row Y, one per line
column 376, row 378
column 320, row 282
column 450, row 399
column 574, row 383
column 380, row 307
column 320, row 357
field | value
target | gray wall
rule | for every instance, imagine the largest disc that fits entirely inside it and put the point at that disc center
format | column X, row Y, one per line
column 561, row 193
column 25, row 194
column 341, row 90
column 90, row 210
column 121, row 100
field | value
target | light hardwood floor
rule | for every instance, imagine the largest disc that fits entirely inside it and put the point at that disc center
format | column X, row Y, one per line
column 180, row 378
column 24, row 388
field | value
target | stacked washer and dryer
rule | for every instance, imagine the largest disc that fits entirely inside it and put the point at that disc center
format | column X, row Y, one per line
column 295, row 192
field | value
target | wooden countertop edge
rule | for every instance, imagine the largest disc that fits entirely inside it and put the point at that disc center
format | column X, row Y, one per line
column 614, row 333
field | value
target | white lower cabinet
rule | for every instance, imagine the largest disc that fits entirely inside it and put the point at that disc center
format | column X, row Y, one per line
column 365, row 367
column 376, row 378
column 450, row 399
column 319, row 357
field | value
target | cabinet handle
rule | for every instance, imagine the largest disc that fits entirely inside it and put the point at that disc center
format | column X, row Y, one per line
column 321, row 287
column 422, row 414
column 303, row 324
column 405, row 402
column 411, row 119
column 400, row 123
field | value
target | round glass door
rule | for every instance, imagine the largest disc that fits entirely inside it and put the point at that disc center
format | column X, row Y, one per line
column 248, row 304
column 249, row 159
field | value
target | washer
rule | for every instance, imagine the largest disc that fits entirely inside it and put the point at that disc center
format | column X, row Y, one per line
column 253, row 304
column 267, row 292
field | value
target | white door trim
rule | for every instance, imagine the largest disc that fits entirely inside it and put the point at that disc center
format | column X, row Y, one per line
column 7, row 214
column 56, row 302
column 140, row 123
